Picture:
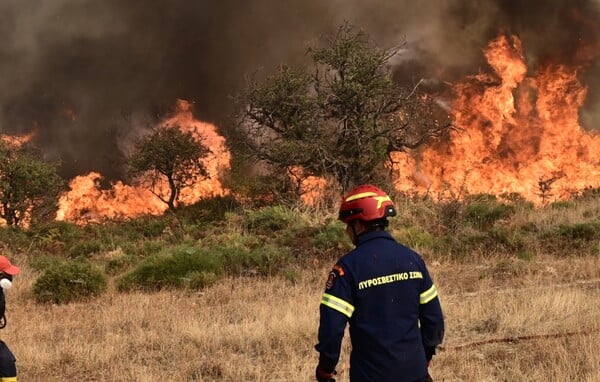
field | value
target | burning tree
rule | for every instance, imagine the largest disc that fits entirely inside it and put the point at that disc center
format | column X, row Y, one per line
column 28, row 186
column 342, row 119
column 173, row 155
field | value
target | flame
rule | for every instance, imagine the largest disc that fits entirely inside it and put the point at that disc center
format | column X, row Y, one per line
column 17, row 140
column 515, row 134
column 216, row 162
column 86, row 202
column 310, row 188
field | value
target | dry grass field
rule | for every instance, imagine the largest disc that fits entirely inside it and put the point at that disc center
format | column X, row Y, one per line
column 264, row 329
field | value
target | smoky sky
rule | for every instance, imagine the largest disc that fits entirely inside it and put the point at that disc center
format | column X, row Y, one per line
column 84, row 75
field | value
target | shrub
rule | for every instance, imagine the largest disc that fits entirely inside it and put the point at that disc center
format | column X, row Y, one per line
column 142, row 227
column 58, row 230
column 266, row 259
column 119, row 264
column 85, row 248
column 269, row 219
column 414, row 237
column 171, row 271
column 201, row 280
column 207, row 210
column 508, row 240
column 43, row 262
column 68, row 281
column 485, row 210
column 451, row 215
column 567, row 239
column 14, row 238
column 332, row 235
column 506, row 269
column 581, row 231
column 518, row 201
column 55, row 236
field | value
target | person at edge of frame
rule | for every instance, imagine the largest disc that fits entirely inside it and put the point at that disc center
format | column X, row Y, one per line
column 385, row 292
column 8, row 368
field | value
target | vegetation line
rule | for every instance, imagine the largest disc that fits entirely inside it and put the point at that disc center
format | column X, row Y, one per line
column 509, row 290
column 516, row 339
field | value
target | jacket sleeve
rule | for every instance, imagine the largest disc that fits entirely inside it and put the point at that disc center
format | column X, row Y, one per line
column 431, row 317
column 335, row 310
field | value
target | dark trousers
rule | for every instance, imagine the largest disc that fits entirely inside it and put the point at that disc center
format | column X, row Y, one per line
column 8, row 369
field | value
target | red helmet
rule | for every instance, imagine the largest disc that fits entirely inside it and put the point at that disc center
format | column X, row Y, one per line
column 366, row 203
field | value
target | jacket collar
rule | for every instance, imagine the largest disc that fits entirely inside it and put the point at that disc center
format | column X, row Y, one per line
column 373, row 235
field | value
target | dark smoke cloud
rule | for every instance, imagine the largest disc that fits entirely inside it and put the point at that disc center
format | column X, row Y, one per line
column 86, row 74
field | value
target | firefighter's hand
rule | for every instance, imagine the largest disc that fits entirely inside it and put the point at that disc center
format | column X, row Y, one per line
column 324, row 376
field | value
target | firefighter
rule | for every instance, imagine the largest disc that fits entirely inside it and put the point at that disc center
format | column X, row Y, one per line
column 8, row 369
column 384, row 291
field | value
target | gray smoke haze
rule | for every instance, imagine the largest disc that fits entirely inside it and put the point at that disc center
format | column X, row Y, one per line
column 83, row 74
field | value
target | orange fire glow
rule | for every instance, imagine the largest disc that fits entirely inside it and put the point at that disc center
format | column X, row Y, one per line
column 17, row 140
column 515, row 133
column 310, row 187
column 86, row 202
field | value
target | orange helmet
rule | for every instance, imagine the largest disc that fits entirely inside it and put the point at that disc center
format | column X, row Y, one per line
column 366, row 203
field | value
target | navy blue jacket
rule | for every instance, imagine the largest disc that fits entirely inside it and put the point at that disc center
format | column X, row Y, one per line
column 384, row 291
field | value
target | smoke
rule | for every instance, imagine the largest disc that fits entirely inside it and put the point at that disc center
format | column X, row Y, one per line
column 84, row 75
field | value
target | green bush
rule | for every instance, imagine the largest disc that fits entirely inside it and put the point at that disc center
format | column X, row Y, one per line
column 508, row 240
column 247, row 253
column 119, row 264
column 266, row 259
column 484, row 210
column 171, row 271
column 414, row 237
column 15, row 238
column 332, row 235
column 54, row 237
column 191, row 265
column 57, row 230
column 571, row 239
column 208, row 210
column 85, row 248
column 43, row 262
column 68, row 281
column 142, row 227
column 506, row 269
column 517, row 200
column 269, row 219
column 581, row 231
column 201, row 280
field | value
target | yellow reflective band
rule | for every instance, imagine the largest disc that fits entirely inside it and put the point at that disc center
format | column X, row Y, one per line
column 428, row 295
column 8, row 379
column 338, row 304
column 380, row 199
column 359, row 196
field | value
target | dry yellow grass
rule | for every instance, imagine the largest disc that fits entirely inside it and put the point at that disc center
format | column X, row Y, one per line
column 264, row 329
